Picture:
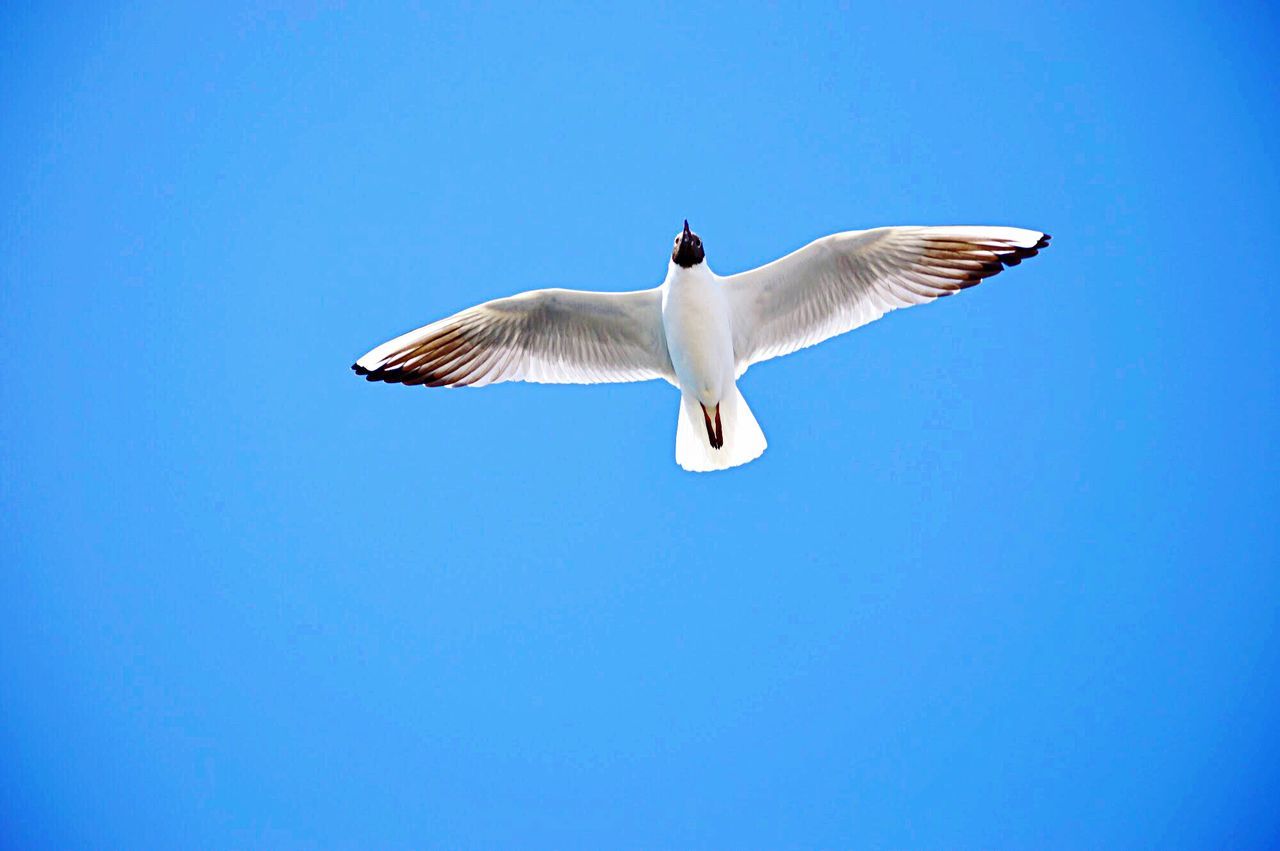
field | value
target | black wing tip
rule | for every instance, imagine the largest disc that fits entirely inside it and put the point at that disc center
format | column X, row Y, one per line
column 375, row 375
column 1006, row 256
column 394, row 375
column 1019, row 254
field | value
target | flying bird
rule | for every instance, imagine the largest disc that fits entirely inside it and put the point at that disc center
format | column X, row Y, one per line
column 698, row 330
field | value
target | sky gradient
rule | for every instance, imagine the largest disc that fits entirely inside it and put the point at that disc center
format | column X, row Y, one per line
column 1006, row 576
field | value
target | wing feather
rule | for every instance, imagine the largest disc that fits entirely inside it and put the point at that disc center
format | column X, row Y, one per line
column 846, row 280
column 550, row 336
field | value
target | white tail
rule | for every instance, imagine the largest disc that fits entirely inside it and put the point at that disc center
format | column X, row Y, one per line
column 743, row 439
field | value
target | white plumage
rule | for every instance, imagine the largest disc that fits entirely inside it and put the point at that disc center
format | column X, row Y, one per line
column 698, row 330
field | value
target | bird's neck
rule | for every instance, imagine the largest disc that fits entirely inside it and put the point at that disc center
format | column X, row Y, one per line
column 678, row 275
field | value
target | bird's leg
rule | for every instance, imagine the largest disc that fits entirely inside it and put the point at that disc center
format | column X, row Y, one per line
column 714, row 433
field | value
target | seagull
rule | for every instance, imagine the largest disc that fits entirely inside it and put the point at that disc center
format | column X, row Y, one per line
column 698, row 330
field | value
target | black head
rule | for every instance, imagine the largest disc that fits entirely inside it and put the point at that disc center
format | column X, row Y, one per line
column 688, row 248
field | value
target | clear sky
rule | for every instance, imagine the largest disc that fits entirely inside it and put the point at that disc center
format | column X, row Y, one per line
column 1005, row 578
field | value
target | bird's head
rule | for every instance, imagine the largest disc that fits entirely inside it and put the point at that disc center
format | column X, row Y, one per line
column 687, row 251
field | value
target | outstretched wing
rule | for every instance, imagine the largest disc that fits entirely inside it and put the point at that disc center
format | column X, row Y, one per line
column 845, row 280
column 548, row 336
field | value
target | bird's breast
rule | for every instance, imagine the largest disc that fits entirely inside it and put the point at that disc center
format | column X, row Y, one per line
column 695, row 316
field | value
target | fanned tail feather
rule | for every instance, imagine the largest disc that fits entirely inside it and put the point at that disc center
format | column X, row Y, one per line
column 740, row 435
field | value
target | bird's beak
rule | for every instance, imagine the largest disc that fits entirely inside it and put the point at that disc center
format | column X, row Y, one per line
column 686, row 227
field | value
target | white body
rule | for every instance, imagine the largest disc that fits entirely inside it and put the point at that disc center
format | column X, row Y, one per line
column 698, row 330
column 695, row 317
column 698, row 321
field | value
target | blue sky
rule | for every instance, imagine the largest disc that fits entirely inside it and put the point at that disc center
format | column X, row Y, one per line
column 1006, row 576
